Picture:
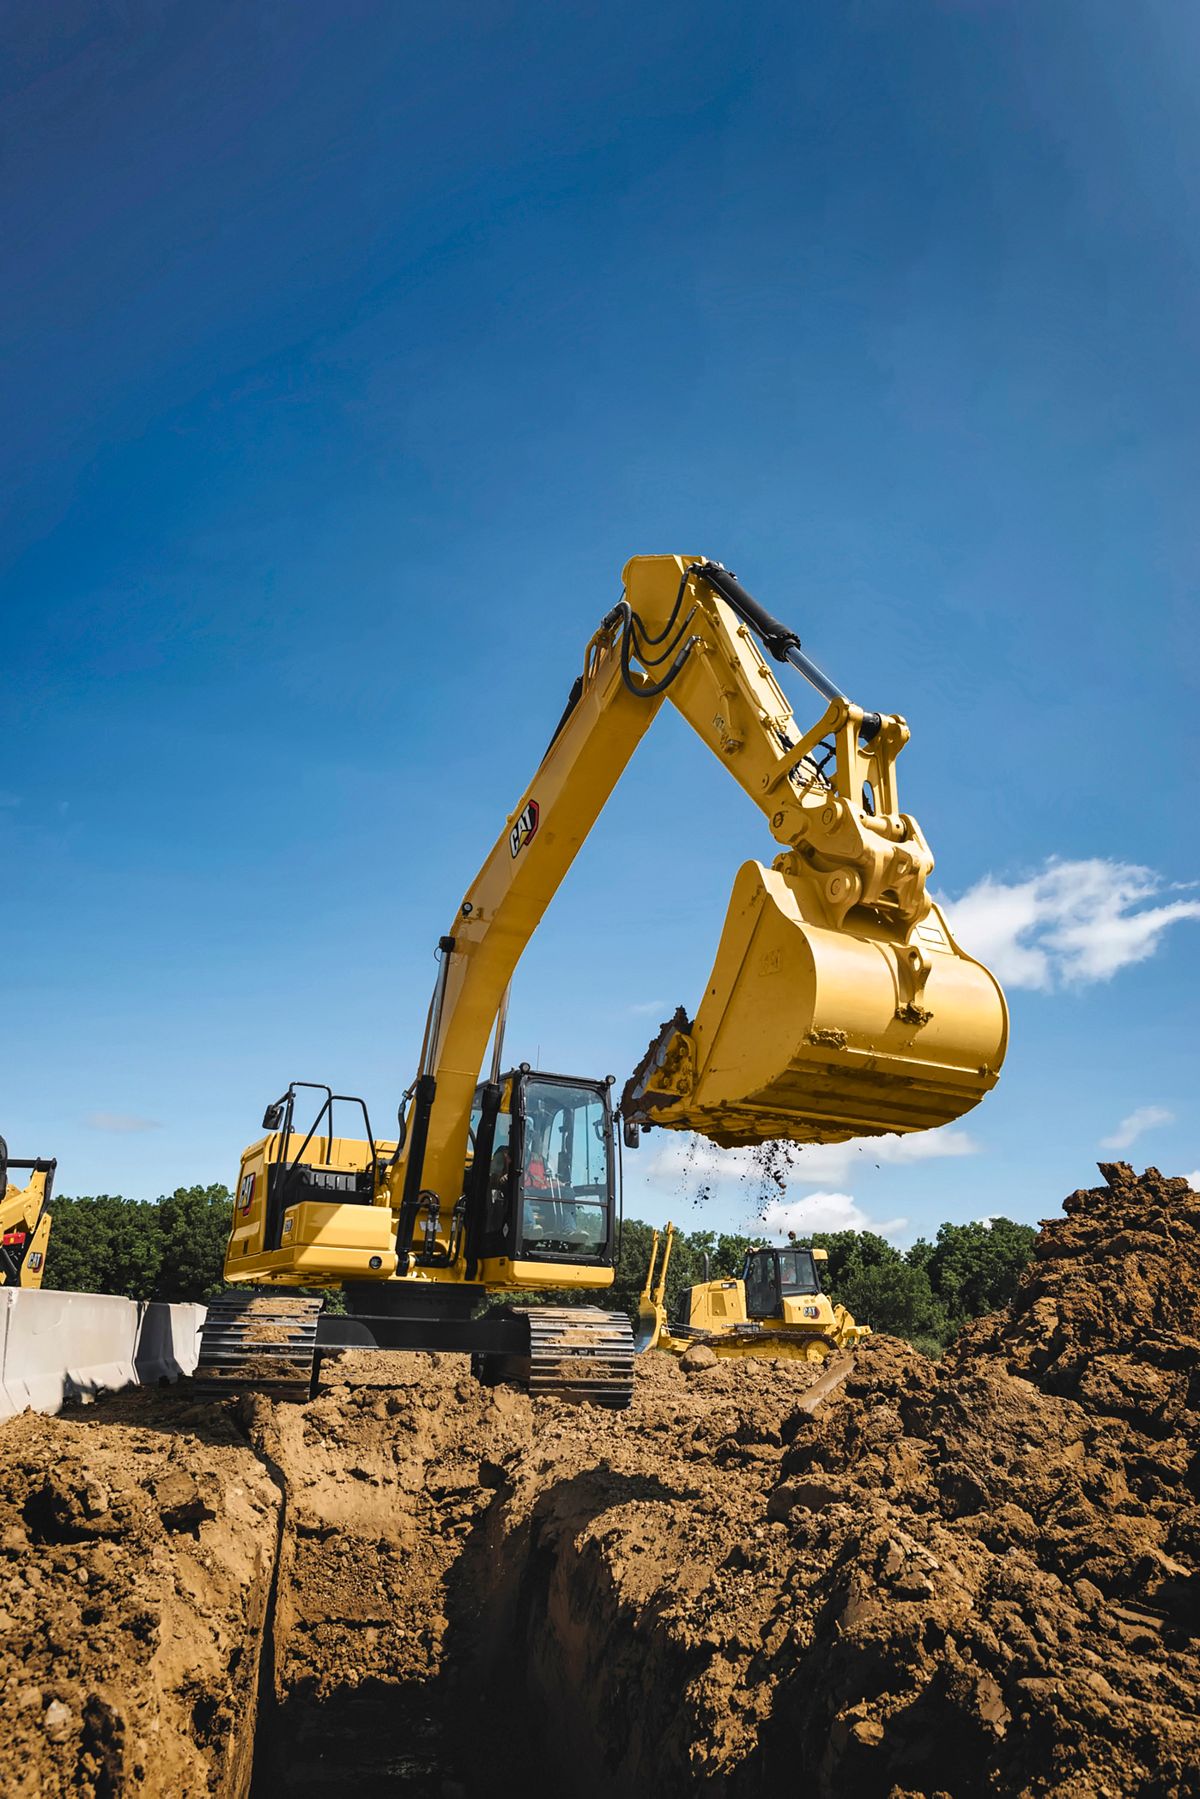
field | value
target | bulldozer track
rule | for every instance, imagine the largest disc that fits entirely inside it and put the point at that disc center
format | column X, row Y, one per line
column 260, row 1342
column 580, row 1353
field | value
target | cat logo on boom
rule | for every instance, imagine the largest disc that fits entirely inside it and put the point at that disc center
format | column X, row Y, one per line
column 525, row 829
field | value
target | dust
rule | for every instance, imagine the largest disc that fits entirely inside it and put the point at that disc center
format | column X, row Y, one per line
column 975, row 1577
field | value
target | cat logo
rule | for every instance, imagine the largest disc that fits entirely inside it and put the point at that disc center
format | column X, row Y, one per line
column 525, row 829
column 246, row 1192
column 35, row 1261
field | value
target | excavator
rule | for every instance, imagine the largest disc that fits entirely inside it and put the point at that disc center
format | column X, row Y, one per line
column 24, row 1219
column 774, row 1308
column 839, row 1005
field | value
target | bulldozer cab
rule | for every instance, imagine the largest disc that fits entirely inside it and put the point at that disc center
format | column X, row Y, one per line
column 542, row 1176
column 773, row 1275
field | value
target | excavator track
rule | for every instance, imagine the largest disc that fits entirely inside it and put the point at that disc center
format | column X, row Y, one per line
column 259, row 1343
column 580, row 1353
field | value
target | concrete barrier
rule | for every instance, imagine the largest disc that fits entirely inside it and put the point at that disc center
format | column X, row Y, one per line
column 168, row 1341
column 56, row 1347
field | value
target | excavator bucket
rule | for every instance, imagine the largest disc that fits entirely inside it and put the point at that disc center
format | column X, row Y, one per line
column 815, row 1032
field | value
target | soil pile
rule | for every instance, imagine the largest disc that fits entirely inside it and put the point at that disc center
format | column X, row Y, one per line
column 137, row 1570
column 979, row 1577
column 970, row 1578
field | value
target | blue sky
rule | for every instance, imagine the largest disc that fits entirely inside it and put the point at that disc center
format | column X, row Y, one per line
column 349, row 352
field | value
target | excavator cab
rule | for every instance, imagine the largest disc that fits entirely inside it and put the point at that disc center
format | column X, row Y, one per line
column 541, row 1183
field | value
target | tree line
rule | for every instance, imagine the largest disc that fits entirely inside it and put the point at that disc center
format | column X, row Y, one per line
column 174, row 1248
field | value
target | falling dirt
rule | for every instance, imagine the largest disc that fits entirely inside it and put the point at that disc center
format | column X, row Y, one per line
column 976, row 1577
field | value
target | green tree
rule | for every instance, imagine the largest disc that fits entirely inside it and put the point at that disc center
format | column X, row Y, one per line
column 975, row 1268
column 104, row 1243
column 852, row 1251
column 893, row 1297
column 193, row 1228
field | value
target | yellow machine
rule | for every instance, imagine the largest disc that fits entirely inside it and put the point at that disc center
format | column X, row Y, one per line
column 839, row 1005
column 24, row 1220
column 775, row 1308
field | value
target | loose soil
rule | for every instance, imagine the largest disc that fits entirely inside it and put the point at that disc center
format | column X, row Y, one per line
column 974, row 1577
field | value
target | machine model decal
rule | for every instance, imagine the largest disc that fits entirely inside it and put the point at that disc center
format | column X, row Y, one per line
column 525, row 829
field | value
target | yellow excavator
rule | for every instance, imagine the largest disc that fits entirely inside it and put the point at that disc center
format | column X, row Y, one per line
column 839, row 1005
column 24, row 1219
column 774, row 1308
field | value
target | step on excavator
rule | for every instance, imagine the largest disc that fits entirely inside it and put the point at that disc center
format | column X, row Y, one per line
column 775, row 1308
column 24, row 1219
column 839, row 1005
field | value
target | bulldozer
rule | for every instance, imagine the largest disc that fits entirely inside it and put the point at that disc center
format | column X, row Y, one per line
column 839, row 1005
column 775, row 1308
column 24, row 1219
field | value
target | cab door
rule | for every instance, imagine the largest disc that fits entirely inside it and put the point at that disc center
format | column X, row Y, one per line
column 761, row 1276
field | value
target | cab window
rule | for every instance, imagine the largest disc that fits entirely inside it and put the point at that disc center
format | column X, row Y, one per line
column 797, row 1271
column 565, row 1171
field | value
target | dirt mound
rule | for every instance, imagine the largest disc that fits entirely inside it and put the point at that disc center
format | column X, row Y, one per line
column 139, row 1540
column 973, row 1577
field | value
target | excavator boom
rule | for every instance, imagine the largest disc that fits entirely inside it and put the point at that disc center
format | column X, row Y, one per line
column 839, row 1004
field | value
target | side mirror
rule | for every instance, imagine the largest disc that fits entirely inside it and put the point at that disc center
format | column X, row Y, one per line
column 273, row 1116
column 631, row 1133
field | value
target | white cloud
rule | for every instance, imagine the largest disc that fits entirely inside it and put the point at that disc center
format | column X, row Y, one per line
column 121, row 1123
column 810, row 1164
column 1074, row 923
column 1140, row 1120
column 823, row 1212
column 1193, row 1180
column 646, row 1008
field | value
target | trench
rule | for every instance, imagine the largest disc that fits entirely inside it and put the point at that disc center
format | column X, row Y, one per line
column 333, row 1718
column 507, row 1709
column 474, row 1595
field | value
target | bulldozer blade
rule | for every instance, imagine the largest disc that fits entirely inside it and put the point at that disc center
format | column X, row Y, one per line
column 647, row 1328
column 815, row 1032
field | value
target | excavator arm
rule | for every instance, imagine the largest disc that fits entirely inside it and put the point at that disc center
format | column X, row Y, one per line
column 839, row 1003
